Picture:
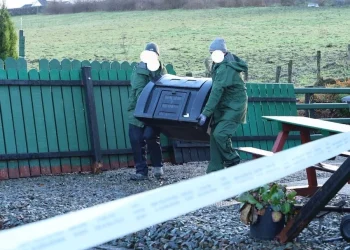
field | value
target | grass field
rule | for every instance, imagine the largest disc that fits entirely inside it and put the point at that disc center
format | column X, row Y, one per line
column 264, row 37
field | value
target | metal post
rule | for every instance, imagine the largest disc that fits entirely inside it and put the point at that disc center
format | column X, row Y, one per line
column 92, row 119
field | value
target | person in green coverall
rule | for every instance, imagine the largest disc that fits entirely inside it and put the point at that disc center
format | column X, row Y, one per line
column 226, row 105
column 139, row 133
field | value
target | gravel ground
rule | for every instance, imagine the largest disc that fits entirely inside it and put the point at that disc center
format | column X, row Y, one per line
column 214, row 227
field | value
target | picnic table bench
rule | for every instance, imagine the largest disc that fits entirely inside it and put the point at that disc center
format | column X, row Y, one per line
column 305, row 126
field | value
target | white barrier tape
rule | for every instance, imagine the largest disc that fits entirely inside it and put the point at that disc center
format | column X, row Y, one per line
column 99, row 224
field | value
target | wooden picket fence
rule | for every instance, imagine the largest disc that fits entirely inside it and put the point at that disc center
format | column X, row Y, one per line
column 44, row 127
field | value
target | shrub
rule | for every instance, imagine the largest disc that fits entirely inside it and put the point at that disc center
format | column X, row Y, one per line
column 8, row 36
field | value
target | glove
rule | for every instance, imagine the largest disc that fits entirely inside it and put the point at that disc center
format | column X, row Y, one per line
column 202, row 118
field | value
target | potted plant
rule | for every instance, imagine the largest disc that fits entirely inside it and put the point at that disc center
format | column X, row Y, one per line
column 267, row 209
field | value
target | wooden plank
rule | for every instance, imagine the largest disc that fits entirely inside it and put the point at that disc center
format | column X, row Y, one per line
column 311, row 123
column 256, row 90
column 266, row 111
column 286, row 109
column 115, row 65
column 255, row 151
column 44, row 64
column 67, row 94
column 170, row 69
column 106, row 66
column 3, row 74
column 50, row 123
column 76, row 64
column 66, row 64
column 10, row 63
column 85, row 63
column 108, row 119
column 21, row 64
column 3, row 164
column 2, row 64
column 81, row 123
column 8, row 130
column 121, row 132
column 17, row 114
column 272, row 107
column 124, row 100
column 54, row 64
column 60, row 119
column 29, row 124
column 40, row 126
column 96, row 65
column 125, row 66
column 100, row 115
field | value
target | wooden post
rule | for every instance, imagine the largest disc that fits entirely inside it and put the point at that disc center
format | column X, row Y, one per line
column 318, row 65
column 189, row 74
column 92, row 119
column 21, row 45
column 290, row 65
column 278, row 73
column 349, row 51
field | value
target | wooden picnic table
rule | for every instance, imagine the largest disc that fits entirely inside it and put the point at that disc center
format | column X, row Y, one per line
column 305, row 126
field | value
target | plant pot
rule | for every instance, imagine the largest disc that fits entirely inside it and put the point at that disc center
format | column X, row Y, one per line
column 265, row 228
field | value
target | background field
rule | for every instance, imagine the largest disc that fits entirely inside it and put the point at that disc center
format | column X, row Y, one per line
column 264, row 37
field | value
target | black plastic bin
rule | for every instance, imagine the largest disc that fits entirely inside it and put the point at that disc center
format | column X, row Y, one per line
column 173, row 104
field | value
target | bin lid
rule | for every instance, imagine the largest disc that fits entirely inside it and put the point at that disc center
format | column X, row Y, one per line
column 168, row 80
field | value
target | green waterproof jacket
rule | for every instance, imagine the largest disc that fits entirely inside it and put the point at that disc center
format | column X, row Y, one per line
column 228, row 97
column 139, row 79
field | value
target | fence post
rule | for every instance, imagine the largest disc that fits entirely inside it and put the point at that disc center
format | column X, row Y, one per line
column 290, row 65
column 92, row 119
column 349, row 51
column 21, row 45
column 318, row 65
column 278, row 73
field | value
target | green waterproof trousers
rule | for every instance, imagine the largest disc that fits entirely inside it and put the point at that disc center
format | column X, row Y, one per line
column 222, row 153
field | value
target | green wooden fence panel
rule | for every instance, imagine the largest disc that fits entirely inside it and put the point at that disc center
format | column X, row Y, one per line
column 170, row 69
column 60, row 119
column 10, row 63
column 44, row 64
column 108, row 118
column 2, row 65
column 12, row 74
column 81, row 119
column 3, row 164
column 40, row 128
column 49, row 116
column 66, row 65
column 76, row 64
column 115, row 65
column 256, row 91
column 3, row 74
column 21, row 64
column 133, row 65
column 70, row 124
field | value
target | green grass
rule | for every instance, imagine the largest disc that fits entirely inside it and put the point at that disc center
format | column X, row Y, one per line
column 264, row 37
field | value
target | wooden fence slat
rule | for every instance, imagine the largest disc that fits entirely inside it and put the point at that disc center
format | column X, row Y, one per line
column 108, row 119
column 40, row 127
column 120, row 131
column 3, row 74
column 10, row 63
column 50, row 123
column 29, row 125
column 8, row 130
column 256, row 92
column 81, row 122
column 2, row 64
column 124, row 101
column 95, row 65
column 66, row 65
column 54, row 64
column 279, row 106
column 115, row 65
column 85, row 63
column 76, row 65
column 44, row 64
column 69, row 122
column 266, row 111
column 125, row 66
column 60, row 121
column 170, row 69
column 105, row 65
column 3, row 164
column 21, row 64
